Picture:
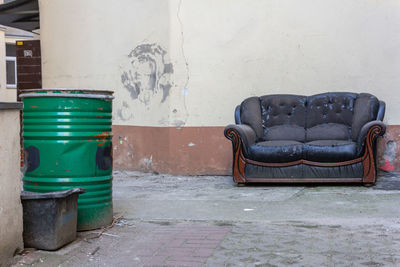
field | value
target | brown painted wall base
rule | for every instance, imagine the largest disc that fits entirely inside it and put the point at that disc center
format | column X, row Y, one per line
column 203, row 150
column 389, row 149
column 182, row 150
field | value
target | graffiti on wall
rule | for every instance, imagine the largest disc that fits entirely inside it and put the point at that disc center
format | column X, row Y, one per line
column 147, row 75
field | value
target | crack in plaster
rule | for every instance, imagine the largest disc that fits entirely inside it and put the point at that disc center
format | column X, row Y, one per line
column 184, row 56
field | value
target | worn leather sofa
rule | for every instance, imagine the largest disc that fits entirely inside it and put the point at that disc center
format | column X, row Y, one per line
column 328, row 137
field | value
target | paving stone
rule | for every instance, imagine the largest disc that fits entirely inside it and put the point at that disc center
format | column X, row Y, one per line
column 327, row 246
column 201, row 221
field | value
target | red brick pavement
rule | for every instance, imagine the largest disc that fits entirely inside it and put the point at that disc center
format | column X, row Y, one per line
column 137, row 244
column 184, row 244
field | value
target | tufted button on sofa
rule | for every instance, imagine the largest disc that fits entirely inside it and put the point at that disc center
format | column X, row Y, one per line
column 327, row 137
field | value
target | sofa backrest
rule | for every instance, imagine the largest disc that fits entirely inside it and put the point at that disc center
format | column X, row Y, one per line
column 330, row 116
column 335, row 116
column 283, row 117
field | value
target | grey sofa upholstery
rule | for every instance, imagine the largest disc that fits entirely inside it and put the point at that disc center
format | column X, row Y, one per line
column 327, row 137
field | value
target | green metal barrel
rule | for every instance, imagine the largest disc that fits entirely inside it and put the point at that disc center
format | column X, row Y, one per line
column 67, row 144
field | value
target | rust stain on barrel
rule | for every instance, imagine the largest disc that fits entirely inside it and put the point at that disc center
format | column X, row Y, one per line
column 102, row 137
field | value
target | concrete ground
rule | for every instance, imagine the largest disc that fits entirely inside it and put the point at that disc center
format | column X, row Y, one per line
column 209, row 221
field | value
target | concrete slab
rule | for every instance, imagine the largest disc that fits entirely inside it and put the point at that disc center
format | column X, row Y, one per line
column 209, row 221
column 165, row 197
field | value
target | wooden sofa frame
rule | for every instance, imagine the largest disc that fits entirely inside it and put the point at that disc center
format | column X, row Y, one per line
column 367, row 159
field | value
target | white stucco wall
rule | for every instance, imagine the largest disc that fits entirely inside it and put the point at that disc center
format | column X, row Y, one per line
column 10, row 182
column 220, row 51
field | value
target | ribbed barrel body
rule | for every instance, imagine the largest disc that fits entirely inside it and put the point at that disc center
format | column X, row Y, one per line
column 67, row 144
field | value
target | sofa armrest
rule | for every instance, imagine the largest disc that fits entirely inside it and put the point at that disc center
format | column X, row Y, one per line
column 370, row 131
column 237, row 115
column 381, row 111
column 244, row 132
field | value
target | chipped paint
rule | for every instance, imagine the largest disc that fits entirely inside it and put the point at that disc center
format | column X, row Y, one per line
column 184, row 91
column 147, row 75
column 178, row 123
column 163, row 122
column 387, row 162
column 102, row 137
column 147, row 163
column 387, row 166
column 191, row 144
column 129, row 154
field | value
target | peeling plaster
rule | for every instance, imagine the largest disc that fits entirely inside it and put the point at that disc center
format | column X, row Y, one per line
column 387, row 161
column 147, row 163
column 163, row 121
column 178, row 123
column 129, row 154
column 147, row 75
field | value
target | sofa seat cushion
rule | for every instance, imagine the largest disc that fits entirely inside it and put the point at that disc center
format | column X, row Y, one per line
column 330, row 150
column 276, row 151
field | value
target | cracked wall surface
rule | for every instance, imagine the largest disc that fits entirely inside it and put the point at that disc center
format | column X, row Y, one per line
column 169, row 60
column 184, row 63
